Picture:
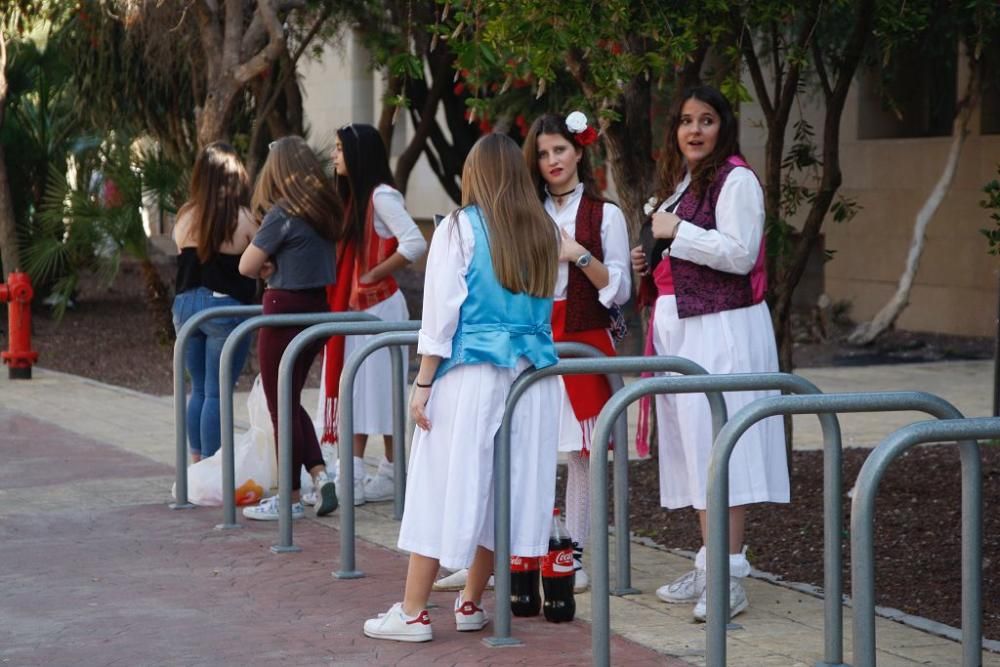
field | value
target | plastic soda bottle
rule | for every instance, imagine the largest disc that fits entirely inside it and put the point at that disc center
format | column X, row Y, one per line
column 525, row 599
column 557, row 574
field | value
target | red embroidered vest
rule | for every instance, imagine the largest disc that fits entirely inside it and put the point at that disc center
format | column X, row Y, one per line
column 374, row 250
column 583, row 308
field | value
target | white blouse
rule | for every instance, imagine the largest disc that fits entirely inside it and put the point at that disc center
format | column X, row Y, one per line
column 445, row 287
column 392, row 219
column 614, row 241
column 733, row 246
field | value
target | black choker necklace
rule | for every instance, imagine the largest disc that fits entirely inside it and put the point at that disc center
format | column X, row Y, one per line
column 562, row 194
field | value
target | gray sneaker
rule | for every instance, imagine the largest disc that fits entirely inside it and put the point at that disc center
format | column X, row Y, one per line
column 737, row 601
column 326, row 494
column 682, row 590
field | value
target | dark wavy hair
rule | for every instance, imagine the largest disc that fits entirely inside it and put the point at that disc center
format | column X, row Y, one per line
column 220, row 189
column 551, row 123
column 672, row 164
column 367, row 162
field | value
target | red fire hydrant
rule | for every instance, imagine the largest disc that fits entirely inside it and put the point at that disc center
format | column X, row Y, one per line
column 19, row 357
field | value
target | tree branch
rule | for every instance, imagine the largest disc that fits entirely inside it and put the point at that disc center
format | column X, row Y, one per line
column 256, row 32
column 232, row 34
column 756, row 75
column 270, row 53
column 211, row 37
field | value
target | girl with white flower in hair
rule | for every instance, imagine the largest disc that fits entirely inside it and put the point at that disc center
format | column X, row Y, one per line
column 592, row 282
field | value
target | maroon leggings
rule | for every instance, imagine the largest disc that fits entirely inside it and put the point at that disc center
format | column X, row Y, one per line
column 271, row 343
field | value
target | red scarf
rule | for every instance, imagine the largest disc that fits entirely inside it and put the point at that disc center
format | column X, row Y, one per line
column 338, row 296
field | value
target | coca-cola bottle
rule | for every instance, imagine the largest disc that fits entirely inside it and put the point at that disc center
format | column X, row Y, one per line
column 524, row 597
column 557, row 574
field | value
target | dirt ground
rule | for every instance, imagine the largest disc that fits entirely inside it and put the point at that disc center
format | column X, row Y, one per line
column 111, row 336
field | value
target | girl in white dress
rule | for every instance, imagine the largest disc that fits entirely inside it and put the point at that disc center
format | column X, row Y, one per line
column 593, row 277
column 380, row 238
column 487, row 309
column 706, row 271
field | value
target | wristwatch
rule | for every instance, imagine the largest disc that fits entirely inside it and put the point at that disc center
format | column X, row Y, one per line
column 583, row 261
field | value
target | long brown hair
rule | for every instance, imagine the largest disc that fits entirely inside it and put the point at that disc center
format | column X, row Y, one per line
column 672, row 165
column 220, row 189
column 551, row 123
column 293, row 178
column 524, row 242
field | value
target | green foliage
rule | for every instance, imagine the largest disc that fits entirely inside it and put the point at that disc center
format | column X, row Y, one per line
column 86, row 223
column 992, row 203
column 504, row 45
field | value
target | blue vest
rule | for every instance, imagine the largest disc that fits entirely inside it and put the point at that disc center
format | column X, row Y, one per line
column 497, row 326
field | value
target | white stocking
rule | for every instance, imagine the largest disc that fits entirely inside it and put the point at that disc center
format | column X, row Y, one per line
column 578, row 497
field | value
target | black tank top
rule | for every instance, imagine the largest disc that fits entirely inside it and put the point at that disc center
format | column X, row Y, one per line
column 219, row 274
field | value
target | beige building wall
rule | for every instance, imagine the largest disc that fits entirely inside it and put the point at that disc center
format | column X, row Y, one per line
column 340, row 88
column 955, row 290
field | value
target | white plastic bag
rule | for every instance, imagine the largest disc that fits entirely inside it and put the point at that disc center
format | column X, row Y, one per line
column 254, row 457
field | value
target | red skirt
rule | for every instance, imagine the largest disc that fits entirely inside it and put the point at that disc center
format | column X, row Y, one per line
column 587, row 393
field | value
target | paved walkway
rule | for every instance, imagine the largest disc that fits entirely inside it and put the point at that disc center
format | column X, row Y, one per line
column 97, row 571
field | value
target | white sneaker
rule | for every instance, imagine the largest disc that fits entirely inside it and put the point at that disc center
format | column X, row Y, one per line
column 359, row 486
column 581, row 582
column 309, row 498
column 326, row 494
column 394, row 624
column 469, row 617
column 456, row 581
column 379, row 488
column 684, row 589
column 737, row 601
column 267, row 510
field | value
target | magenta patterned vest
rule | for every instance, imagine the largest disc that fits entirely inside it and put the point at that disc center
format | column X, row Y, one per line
column 699, row 289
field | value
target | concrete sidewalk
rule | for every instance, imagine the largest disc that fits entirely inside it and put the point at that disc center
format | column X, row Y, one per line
column 97, row 571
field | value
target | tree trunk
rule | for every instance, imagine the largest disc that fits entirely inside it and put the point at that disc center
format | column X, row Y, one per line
column 886, row 317
column 158, row 301
column 10, row 255
column 233, row 58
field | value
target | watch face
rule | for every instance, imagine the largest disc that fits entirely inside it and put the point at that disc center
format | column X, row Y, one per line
column 584, row 260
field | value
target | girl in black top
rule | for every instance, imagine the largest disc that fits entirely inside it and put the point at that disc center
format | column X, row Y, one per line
column 213, row 228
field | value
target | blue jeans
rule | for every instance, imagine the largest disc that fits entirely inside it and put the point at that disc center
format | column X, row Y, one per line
column 201, row 360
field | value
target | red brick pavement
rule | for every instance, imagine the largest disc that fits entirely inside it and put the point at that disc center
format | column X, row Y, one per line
column 140, row 584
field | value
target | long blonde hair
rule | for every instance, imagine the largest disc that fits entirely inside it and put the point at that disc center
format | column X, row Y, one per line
column 524, row 242
column 293, row 178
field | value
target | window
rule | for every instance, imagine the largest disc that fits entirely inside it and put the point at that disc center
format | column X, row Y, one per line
column 914, row 95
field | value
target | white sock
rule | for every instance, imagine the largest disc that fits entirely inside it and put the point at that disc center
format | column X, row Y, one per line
column 700, row 558
column 359, row 468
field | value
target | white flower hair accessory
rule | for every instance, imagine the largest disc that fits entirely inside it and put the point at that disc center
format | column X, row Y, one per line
column 650, row 204
column 583, row 134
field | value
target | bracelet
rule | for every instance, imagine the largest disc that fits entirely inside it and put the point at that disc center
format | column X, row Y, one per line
column 424, row 386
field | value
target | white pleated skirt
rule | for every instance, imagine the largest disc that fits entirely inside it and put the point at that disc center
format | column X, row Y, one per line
column 449, row 488
column 373, row 383
column 732, row 341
